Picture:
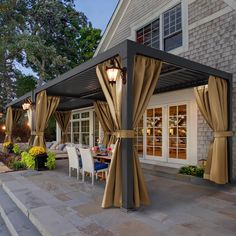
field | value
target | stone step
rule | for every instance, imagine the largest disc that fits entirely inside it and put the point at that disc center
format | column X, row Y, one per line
column 16, row 222
column 36, row 206
column 3, row 229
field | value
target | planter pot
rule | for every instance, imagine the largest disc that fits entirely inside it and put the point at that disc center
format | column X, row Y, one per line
column 10, row 150
column 40, row 161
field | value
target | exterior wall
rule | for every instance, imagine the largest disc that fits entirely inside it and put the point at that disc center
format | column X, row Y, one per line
column 213, row 44
column 211, row 31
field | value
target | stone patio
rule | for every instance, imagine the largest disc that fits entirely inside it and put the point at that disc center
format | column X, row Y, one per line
column 60, row 205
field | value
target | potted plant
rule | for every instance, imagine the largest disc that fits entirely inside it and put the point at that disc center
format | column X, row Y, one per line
column 38, row 159
column 8, row 146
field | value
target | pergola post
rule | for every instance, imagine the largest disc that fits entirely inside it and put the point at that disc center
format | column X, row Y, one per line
column 33, row 128
column 127, row 143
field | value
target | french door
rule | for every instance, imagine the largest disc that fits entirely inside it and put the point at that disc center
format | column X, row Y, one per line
column 166, row 134
column 84, row 128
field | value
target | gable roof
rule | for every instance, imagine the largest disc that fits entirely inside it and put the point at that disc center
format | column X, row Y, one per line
column 111, row 28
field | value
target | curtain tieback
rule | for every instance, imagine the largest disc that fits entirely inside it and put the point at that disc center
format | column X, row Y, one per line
column 40, row 133
column 222, row 134
column 109, row 133
column 33, row 133
column 124, row 134
column 8, row 133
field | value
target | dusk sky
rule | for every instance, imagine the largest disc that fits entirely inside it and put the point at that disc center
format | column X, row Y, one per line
column 98, row 11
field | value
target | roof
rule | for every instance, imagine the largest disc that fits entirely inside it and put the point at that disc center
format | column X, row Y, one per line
column 80, row 87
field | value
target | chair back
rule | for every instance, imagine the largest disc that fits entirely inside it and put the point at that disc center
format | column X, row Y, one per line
column 87, row 159
column 73, row 157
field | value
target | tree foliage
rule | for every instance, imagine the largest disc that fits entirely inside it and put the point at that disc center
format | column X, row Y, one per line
column 48, row 36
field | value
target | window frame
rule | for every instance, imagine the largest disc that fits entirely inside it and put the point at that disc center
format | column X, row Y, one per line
column 158, row 12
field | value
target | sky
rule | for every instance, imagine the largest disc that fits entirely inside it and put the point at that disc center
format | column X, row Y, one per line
column 98, row 12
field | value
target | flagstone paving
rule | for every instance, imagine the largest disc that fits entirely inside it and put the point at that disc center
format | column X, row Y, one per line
column 71, row 207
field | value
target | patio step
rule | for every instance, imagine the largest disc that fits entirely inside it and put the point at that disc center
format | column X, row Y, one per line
column 172, row 173
column 16, row 222
column 31, row 206
column 3, row 228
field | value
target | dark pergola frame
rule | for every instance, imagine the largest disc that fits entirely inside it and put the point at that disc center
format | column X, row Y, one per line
column 127, row 51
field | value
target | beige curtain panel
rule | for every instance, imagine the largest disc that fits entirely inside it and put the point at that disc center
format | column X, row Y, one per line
column 212, row 102
column 63, row 120
column 105, row 118
column 9, row 125
column 146, row 74
column 13, row 116
column 45, row 107
column 145, row 77
column 113, row 94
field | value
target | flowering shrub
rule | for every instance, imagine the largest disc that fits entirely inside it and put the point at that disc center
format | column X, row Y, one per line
column 95, row 148
column 28, row 158
column 8, row 144
column 36, row 150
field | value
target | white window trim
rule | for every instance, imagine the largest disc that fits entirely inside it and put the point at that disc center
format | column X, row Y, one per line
column 158, row 13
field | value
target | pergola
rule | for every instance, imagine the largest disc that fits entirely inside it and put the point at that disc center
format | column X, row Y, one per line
column 80, row 87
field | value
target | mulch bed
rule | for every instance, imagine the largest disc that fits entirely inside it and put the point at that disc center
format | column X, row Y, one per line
column 8, row 158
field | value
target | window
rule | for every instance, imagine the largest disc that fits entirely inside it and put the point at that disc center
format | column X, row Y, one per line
column 170, row 29
column 178, row 132
column 81, row 128
column 139, row 140
column 95, row 129
column 150, row 35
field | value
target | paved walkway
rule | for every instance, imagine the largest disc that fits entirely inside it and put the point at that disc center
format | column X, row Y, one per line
column 177, row 208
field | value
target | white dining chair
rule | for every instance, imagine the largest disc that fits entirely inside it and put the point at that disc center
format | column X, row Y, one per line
column 74, row 162
column 88, row 164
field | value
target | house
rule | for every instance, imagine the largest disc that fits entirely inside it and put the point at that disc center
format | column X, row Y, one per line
column 173, row 132
column 187, row 44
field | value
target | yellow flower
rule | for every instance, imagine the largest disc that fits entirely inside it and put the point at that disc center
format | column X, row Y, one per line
column 7, row 144
column 36, row 150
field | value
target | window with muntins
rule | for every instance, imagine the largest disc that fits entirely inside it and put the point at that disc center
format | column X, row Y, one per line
column 170, row 29
column 150, row 35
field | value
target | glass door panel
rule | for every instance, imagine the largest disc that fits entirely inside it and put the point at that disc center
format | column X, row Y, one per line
column 85, row 132
column 178, row 132
column 154, row 132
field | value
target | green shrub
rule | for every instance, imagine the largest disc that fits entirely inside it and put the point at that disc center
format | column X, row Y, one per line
column 192, row 170
column 16, row 149
column 18, row 165
column 28, row 160
column 51, row 160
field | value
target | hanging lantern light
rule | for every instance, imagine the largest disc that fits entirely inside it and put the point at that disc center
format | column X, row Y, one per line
column 113, row 70
column 26, row 106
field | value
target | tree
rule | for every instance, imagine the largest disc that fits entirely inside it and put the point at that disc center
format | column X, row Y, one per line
column 53, row 39
column 50, row 37
column 25, row 84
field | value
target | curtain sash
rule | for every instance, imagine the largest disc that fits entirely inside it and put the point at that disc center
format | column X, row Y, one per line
column 222, row 134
